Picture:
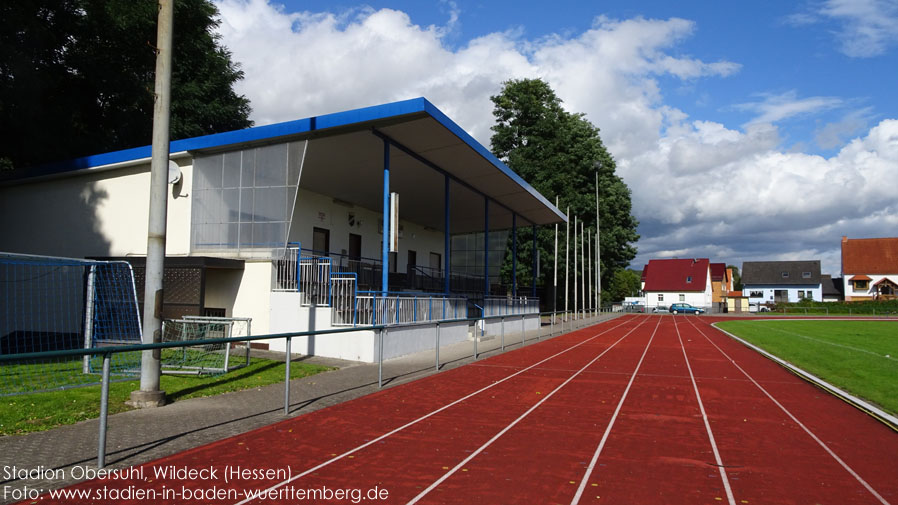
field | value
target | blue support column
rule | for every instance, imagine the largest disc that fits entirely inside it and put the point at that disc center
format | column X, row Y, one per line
column 385, row 248
column 533, row 253
column 486, row 247
column 446, row 273
column 514, row 254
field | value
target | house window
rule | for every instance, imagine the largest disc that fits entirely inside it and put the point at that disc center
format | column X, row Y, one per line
column 660, row 297
column 756, row 294
column 861, row 285
column 682, row 297
column 785, row 275
column 800, row 294
column 806, row 275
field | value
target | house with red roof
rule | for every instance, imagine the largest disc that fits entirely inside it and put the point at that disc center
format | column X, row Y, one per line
column 870, row 268
column 669, row 281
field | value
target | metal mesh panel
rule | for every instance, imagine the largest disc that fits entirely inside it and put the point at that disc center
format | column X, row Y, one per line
column 52, row 304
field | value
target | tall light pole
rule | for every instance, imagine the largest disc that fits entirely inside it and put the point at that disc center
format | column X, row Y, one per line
column 150, row 394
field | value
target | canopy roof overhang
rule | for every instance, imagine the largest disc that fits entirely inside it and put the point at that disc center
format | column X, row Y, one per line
column 345, row 160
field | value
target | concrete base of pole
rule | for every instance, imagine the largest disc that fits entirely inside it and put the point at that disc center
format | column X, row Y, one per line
column 146, row 399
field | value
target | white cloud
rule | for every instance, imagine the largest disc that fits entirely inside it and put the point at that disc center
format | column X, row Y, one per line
column 774, row 108
column 868, row 27
column 699, row 188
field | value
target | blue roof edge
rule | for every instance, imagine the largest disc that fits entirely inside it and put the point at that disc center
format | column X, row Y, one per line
column 295, row 127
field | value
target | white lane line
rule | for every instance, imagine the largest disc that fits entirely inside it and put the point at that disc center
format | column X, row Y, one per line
column 516, row 421
column 858, row 349
column 799, row 423
column 425, row 416
column 595, row 457
column 701, row 406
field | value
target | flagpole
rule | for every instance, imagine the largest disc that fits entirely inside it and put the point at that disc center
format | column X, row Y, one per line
column 567, row 253
column 555, row 277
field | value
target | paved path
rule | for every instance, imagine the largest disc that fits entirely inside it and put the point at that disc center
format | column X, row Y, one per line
column 139, row 436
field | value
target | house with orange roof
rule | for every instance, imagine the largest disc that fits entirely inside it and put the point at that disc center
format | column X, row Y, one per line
column 870, row 268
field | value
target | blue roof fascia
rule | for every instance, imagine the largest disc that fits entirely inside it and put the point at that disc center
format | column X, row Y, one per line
column 438, row 115
column 299, row 126
column 254, row 134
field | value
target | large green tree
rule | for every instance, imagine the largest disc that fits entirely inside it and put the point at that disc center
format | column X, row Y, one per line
column 559, row 154
column 77, row 77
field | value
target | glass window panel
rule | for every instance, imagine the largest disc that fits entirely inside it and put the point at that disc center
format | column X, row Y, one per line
column 229, row 237
column 248, row 177
column 270, row 204
column 246, row 205
column 269, row 234
column 294, row 161
column 246, row 235
column 230, row 208
column 213, row 206
column 271, row 165
column 231, row 171
column 213, row 171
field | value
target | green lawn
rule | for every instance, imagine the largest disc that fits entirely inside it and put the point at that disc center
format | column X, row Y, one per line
column 43, row 411
column 860, row 357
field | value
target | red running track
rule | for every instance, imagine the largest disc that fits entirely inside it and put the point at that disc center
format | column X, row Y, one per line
column 640, row 409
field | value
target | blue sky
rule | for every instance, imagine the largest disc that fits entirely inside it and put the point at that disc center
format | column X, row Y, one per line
column 748, row 131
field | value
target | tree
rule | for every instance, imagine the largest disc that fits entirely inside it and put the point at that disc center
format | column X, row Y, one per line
column 559, row 153
column 625, row 283
column 76, row 77
column 737, row 279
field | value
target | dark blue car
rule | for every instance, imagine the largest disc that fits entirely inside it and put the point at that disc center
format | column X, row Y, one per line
column 685, row 308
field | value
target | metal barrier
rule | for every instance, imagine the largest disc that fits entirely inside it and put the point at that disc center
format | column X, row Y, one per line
column 314, row 281
column 372, row 308
column 286, row 271
column 343, row 299
column 559, row 321
column 508, row 306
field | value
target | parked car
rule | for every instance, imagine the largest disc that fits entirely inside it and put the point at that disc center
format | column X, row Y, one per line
column 757, row 307
column 685, row 308
column 660, row 308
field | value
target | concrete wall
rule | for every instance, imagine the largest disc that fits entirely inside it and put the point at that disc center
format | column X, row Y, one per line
column 97, row 213
column 288, row 316
column 512, row 325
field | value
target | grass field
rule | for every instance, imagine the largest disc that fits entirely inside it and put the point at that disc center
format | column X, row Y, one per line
column 860, row 357
column 43, row 411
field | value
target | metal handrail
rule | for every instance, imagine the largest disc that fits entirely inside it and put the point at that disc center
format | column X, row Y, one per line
column 108, row 351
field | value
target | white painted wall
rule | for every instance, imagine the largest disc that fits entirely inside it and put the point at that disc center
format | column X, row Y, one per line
column 317, row 210
column 767, row 290
column 96, row 213
column 694, row 298
column 253, row 295
column 868, row 293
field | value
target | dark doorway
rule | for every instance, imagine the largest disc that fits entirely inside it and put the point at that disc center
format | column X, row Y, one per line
column 435, row 262
column 321, row 241
column 355, row 246
column 412, row 259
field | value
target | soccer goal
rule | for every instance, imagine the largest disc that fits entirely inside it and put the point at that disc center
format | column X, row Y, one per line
column 204, row 358
column 52, row 304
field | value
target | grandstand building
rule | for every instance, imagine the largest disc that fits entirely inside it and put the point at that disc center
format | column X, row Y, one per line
column 285, row 224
